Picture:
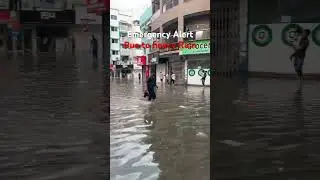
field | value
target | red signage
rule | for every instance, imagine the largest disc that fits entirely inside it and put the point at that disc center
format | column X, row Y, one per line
column 141, row 60
column 97, row 6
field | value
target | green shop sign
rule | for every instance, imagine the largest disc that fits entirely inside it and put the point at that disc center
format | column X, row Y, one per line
column 262, row 35
column 200, row 47
column 316, row 35
column 290, row 33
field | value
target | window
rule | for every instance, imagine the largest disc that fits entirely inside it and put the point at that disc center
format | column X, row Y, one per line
column 113, row 17
column 115, row 52
column 114, row 28
column 114, row 40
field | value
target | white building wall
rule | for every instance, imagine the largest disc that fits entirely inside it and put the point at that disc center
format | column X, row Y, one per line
column 114, row 35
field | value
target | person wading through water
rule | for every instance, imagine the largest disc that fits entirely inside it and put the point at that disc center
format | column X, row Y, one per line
column 300, row 52
column 151, row 85
column 94, row 49
column 203, row 79
column 139, row 76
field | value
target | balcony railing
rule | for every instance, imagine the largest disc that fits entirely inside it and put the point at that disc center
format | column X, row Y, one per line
column 172, row 45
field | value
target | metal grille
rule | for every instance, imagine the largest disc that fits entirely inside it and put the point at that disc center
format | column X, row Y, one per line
column 226, row 36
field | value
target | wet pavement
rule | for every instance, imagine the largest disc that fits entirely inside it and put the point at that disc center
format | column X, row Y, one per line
column 166, row 139
column 266, row 129
column 50, row 120
column 52, row 126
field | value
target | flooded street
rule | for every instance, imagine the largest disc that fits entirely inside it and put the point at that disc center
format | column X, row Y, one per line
column 168, row 139
column 50, row 120
column 266, row 129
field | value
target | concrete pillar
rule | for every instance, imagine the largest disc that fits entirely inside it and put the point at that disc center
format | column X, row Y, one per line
column 161, row 6
column 34, row 42
column 180, row 25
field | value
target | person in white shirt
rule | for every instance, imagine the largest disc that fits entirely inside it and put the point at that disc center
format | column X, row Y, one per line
column 173, row 78
column 168, row 78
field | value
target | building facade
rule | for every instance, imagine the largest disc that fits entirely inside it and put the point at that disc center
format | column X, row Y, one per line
column 188, row 65
column 45, row 26
column 122, row 59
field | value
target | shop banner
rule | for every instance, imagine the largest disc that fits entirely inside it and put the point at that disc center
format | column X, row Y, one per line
column 47, row 17
column 202, row 47
column 196, row 76
column 94, row 6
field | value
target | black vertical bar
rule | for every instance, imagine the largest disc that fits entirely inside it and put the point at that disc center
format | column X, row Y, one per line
column 106, row 88
column 212, row 62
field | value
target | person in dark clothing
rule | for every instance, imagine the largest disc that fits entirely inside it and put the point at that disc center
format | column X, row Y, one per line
column 139, row 76
column 73, row 42
column 300, row 52
column 203, row 79
column 151, row 85
column 94, row 48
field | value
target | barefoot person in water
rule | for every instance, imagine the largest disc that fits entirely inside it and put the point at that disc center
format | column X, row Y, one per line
column 300, row 52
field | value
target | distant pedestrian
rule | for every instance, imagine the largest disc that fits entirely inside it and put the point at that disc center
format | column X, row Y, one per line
column 168, row 78
column 73, row 44
column 94, row 48
column 161, row 77
column 173, row 78
column 139, row 76
column 203, row 79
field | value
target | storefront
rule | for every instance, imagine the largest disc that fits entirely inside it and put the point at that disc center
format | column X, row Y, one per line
column 197, row 63
column 47, row 31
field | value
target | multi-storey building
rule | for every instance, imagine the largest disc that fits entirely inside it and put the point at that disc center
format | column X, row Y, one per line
column 121, row 22
column 114, row 37
column 184, row 16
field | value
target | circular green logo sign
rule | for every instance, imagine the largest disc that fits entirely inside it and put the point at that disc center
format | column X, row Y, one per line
column 201, row 72
column 262, row 35
column 192, row 72
column 316, row 35
column 290, row 33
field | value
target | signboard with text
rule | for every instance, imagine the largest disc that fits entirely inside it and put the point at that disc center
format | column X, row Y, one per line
column 97, row 6
column 201, row 47
column 47, row 17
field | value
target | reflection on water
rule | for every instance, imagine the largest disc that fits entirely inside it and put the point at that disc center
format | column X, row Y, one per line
column 166, row 139
column 49, row 120
column 266, row 129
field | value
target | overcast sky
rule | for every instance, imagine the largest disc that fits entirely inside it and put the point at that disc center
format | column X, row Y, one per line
column 137, row 5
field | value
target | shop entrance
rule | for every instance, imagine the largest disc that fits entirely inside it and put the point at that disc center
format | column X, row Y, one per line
column 52, row 39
